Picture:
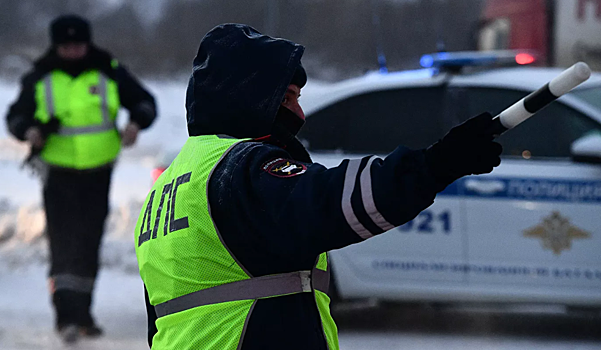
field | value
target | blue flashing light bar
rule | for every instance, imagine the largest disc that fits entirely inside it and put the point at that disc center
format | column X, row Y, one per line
column 427, row 61
column 476, row 58
column 382, row 64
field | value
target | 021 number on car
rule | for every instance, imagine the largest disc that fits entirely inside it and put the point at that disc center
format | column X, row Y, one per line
column 429, row 222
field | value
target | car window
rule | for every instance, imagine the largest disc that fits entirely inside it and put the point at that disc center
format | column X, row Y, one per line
column 377, row 122
column 591, row 96
column 548, row 134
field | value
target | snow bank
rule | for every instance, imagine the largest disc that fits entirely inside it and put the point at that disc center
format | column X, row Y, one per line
column 22, row 240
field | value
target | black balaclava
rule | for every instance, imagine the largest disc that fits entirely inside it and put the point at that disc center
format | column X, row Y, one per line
column 287, row 124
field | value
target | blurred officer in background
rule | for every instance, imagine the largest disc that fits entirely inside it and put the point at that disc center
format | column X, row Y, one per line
column 232, row 239
column 66, row 111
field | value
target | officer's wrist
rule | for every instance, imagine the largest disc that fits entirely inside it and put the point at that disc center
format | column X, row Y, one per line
column 438, row 166
column 33, row 132
column 133, row 125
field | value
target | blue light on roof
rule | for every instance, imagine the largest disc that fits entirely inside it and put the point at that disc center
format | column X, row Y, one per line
column 427, row 61
column 382, row 64
column 469, row 58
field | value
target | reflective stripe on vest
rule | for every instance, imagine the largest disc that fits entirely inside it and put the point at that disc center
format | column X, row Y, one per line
column 254, row 288
column 107, row 123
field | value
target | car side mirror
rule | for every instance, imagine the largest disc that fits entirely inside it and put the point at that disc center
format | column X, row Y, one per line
column 587, row 149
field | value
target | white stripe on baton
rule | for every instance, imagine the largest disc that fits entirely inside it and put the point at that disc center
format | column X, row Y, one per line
column 529, row 105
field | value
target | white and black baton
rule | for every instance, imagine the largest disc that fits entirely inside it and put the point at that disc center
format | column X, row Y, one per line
column 529, row 105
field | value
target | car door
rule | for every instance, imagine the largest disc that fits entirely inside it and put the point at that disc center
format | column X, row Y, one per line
column 534, row 225
column 407, row 262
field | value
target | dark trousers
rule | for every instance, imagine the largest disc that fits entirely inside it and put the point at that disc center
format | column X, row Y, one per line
column 76, row 205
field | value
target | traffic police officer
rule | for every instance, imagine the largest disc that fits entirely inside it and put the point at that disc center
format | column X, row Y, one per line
column 232, row 239
column 67, row 110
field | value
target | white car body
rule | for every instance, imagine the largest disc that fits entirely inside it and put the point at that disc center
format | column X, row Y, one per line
column 528, row 232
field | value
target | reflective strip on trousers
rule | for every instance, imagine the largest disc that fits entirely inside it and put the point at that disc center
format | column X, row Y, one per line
column 107, row 123
column 253, row 288
column 67, row 281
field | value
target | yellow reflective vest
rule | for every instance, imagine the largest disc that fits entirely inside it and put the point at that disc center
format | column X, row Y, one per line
column 202, row 296
column 86, row 107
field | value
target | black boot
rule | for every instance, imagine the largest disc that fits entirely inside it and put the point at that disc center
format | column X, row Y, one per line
column 69, row 333
column 65, row 309
column 87, row 326
column 73, row 308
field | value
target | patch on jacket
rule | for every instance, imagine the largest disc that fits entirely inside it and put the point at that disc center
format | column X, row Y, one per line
column 281, row 167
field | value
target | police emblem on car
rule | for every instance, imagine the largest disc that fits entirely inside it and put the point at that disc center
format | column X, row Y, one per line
column 281, row 167
column 556, row 233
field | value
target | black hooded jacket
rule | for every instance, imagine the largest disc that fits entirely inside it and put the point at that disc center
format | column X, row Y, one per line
column 139, row 102
column 277, row 221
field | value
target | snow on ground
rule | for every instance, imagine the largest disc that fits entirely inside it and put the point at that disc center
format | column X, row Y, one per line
column 26, row 322
column 27, row 319
column 418, row 326
column 402, row 341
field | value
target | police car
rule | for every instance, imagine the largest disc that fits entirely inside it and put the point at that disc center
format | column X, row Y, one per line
column 528, row 232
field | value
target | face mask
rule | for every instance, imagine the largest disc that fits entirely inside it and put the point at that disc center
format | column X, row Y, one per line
column 290, row 121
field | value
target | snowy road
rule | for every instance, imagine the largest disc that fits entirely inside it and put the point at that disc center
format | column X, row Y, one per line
column 27, row 319
column 26, row 322
column 419, row 327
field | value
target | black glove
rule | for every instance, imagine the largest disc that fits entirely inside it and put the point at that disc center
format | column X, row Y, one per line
column 465, row 150
column 51, row 127
column 32, row 160
column 143, row 114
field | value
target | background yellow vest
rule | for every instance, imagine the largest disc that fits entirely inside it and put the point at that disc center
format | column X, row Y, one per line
column 86, row 107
